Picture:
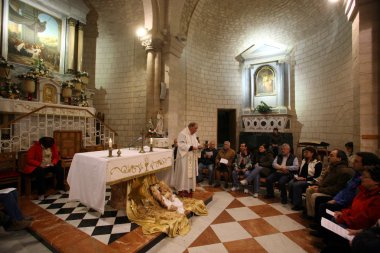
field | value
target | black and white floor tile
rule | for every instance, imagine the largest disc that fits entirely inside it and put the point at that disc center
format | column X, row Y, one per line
column 106, row 228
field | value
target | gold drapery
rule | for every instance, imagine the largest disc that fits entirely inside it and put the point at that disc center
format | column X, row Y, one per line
column 145, row 211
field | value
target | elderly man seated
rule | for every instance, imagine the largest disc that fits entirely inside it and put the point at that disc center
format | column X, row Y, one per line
column 207, row 160
column 286, row 165
column 223, row 162
column 42, row 158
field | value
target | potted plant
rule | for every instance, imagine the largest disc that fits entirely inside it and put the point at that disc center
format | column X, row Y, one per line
column 5, row 68
column 263, row 108
column 67, row 91
column 28, row 83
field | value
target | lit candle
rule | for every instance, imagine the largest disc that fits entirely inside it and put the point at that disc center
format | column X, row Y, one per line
column 110, row 143
column 151, row 141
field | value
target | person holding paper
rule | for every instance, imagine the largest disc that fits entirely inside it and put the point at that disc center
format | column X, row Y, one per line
column 345, row 197
column 365, row 208
column 186, row 166
column 207, row 160
column 42, row 158
column 223, row 162
column 286, row 165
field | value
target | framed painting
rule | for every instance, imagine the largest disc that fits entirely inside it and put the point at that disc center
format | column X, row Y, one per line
column 265, row 81
column 33, row 33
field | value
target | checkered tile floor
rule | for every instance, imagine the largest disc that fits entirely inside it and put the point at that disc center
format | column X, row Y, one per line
column 237, row 222
column 106, row 228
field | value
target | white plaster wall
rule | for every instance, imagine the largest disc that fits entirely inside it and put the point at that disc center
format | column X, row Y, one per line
column 324, row 92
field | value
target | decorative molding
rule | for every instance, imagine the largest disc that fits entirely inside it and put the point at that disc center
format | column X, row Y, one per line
column 266, row 123
column 22, row 106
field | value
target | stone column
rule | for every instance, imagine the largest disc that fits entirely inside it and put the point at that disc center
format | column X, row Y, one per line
column 150, row 67
column 157, row 81
column 80, row 48
column 365, row 55
column 71, row 45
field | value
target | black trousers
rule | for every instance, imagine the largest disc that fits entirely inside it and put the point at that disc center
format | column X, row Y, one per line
column 40, row 174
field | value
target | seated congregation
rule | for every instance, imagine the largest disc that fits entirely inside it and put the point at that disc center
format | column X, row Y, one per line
column 345, row 191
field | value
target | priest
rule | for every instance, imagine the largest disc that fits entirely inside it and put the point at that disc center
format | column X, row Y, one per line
column 186, row 166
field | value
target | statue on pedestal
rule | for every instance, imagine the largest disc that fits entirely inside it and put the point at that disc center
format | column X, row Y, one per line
column 159, row 124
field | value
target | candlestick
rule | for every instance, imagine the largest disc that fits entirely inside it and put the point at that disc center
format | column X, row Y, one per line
column 142, row 142
column 119, row 153
column 109, row 152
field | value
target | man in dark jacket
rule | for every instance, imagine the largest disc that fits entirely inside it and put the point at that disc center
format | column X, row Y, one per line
column 262, row 164
column 338, row 174
column 207, row 160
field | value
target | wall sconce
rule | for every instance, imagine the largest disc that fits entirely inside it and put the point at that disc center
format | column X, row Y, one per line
column 141, row 32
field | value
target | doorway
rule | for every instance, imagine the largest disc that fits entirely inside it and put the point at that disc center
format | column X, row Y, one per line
column 227, row 127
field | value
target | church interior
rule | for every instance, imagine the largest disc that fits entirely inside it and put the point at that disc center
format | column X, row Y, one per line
column 102, row 75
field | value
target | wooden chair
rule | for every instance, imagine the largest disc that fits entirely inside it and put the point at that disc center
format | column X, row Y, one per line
column 8, row 170
column 68, row 143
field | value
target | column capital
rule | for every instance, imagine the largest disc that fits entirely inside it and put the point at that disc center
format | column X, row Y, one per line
column 71, row 22
column 80, row 26
column 151, row 43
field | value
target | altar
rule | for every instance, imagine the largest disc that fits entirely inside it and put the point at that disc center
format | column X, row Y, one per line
column 91, row 172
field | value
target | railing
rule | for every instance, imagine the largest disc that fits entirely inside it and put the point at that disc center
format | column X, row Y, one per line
column 19, row 134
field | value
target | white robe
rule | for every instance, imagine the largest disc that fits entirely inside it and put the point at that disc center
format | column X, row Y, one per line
column 186, row 166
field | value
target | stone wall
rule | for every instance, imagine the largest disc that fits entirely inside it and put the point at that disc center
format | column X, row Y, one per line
column 117, row 65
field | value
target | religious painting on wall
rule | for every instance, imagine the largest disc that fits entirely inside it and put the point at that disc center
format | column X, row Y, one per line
column 265, row 81
column 33, row 34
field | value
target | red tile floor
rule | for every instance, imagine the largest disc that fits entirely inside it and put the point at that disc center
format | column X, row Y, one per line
column 237, row 222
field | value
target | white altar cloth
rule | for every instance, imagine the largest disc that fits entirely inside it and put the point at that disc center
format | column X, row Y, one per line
column 90, row 172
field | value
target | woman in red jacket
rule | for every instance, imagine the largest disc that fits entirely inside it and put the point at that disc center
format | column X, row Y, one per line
column 365, row 208
column 42, row 158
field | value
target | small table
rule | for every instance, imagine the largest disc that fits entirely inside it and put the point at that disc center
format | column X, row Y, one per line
column 90, row 172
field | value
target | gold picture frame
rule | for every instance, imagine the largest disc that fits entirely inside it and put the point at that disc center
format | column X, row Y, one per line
column 49, row 94
column 265, row 81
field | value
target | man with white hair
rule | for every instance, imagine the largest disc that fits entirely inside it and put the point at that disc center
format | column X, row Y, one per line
column 186, row 165
column 286, row 165
column 224, row 161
